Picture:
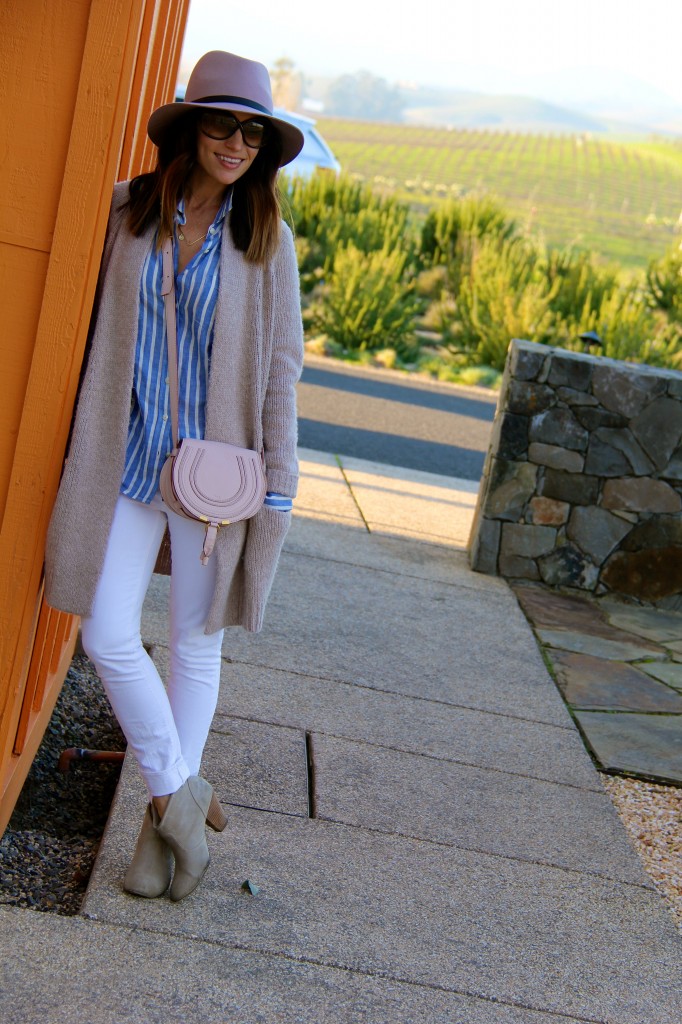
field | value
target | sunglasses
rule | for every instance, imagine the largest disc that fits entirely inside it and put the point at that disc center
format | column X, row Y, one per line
column 255, row 132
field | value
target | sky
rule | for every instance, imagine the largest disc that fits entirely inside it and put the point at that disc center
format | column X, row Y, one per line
column 510, row 46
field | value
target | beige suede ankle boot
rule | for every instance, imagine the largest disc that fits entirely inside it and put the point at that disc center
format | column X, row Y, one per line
column 183, row 827
column 149, row 873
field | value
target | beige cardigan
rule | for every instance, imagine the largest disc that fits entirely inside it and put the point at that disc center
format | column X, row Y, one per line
column 256, row 360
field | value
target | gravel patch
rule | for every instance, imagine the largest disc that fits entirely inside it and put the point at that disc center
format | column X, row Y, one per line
column 49, row 847
column 652, row 816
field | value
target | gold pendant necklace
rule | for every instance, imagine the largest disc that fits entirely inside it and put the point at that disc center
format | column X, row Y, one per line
column 187, row 241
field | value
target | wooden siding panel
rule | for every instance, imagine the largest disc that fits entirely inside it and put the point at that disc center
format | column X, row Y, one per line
column 154, row 84
column 22, row 272
column 15, row 767
column 37, row 98
column 93, row 132
column 76, row 69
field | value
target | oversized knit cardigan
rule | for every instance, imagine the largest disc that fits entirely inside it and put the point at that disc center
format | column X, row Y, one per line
column 256, row 360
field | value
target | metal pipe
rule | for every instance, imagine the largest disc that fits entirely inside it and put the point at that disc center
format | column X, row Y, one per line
column 81, row 754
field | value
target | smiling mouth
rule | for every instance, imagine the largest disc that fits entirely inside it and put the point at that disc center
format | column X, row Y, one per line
column 229, row 161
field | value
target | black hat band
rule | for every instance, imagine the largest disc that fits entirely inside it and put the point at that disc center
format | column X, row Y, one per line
column 234, row 99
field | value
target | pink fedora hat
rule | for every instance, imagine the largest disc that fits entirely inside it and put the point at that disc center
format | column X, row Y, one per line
column 223, row 81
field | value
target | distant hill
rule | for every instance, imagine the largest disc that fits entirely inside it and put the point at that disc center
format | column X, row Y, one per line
column 629, row 114
column 612, row 96
column 505, row 113
column 580, row 102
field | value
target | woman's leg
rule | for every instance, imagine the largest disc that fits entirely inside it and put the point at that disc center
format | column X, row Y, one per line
column 111, row 638
column 194, row 678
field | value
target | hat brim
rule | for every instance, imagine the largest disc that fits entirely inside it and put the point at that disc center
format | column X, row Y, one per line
column 162, row 118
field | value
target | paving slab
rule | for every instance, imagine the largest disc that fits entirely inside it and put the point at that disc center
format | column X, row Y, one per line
column 404, row 499
column 597, row 683
column 669, row 673
column 583, row 643
column 653, row 623
column 249, row 764
column 84, row 970
column 323, row 492
column 408, row 635
column 460, row 735
column 389, row 631
column 535, row 936
column 471, row 808
column 258, row 765
column 646, row 745
column 355, row 546
column 408, row 503
column 549, row 610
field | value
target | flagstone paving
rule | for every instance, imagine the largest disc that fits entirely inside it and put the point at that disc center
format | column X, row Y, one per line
column 617, row 666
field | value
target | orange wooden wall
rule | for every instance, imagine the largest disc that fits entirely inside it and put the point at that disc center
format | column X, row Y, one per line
column 78, row 79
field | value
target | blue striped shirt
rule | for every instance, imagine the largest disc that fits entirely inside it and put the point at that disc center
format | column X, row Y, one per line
column 150, row 431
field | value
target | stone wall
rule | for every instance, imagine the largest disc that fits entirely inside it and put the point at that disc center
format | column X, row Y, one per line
column 582, row 485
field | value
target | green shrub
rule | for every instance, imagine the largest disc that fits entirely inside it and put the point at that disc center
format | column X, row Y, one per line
column 503, row 297
column 582, row 286
column 625, row 324
column 664, row 280
column 479, row 376
column 665, row 348
column 368, row 302
column 330, row 212
column 452, row 229
column 469, row 282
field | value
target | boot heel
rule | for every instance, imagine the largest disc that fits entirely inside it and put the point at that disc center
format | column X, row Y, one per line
column 216, row 817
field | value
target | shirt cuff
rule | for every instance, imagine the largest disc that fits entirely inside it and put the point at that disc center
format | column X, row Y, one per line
column 279, row 501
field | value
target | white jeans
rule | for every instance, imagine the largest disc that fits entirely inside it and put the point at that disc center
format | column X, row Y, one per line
column 166, row 730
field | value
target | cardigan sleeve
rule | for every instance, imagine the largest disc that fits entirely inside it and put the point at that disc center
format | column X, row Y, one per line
column 117, row 210
column 279, row 407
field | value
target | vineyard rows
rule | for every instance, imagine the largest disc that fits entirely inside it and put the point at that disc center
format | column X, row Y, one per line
column 621, row 200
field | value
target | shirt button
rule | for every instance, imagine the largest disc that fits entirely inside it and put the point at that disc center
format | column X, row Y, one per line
column 165, row 418
column 167, row 380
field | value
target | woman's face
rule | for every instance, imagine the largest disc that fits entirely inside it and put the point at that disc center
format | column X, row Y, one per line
column 224, row 160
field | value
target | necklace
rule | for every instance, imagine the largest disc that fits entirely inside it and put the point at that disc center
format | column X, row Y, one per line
column 187, row 241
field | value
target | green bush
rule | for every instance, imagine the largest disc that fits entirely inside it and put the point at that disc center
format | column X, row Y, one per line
column 503, row 297
column 468, row 280
column 624, row 323
column 473, row 216
column 452, row 229
column 368, row 303
column 330, row 212
column 664, row 280
column 581, row 286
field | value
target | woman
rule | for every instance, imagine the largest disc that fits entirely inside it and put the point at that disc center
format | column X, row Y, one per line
column 239, row 356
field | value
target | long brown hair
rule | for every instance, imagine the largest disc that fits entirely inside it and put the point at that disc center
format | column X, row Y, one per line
column 255, row 215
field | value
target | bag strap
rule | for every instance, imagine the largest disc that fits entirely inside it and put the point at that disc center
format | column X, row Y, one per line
column 168, row 292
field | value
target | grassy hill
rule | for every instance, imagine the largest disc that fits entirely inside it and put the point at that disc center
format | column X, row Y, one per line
column 621, row 200
column 476, row 111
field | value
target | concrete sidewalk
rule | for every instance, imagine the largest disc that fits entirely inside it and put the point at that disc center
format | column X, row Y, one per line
column 429, row 837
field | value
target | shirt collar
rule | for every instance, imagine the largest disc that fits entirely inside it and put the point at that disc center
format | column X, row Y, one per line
column 217, row 224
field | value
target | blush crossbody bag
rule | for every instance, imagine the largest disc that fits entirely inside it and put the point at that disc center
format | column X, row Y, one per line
column 213, row 482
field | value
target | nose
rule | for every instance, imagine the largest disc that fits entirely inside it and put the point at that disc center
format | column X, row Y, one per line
column 235, row 141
